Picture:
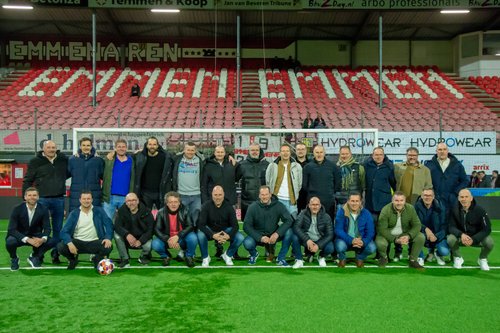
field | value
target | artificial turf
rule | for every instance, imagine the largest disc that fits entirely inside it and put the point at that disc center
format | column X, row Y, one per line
column 251, row 300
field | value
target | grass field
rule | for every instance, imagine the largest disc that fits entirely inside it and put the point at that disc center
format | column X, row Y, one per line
column 241, row 299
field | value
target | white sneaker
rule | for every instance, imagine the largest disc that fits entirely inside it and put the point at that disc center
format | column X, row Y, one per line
column 206, row 262
column 458, row 262
column 227, row 259
column 483, row 264
column 298, row 264
column 321, row 261
column 440, row 260
column 180, row 254
column 421, row 261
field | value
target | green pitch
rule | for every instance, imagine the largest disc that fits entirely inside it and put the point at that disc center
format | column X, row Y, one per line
column 239, row 299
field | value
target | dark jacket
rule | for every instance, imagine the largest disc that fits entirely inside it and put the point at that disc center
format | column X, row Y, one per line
column 475, row 223
column 125, row 225
column 162, row 227
column 166, row 177
column 262, row 220
column 102, row 224
column 366, row 227
column 175, row 172
column 379, row 181
column 324, row 224
column 217, row 174
column 252, row 172
column 48, row 178
column 410, row 223
column 447, row 184
column 438, row 224
column 322, row 180
column 86, row 173
column 19, row 226
column 215, row 219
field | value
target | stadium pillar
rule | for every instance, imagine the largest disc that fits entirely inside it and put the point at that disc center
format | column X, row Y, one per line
column 3, row 55
column 94, row 76
column 238, row 61
column 380, row 91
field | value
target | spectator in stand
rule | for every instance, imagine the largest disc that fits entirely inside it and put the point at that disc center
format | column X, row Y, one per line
column 319, row 122
column 308, row 122
column 482, row 181
column 473, row 179
column 136, row 90
column 494, row 182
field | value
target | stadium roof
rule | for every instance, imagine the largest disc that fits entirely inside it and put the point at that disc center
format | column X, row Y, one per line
column 350, row 25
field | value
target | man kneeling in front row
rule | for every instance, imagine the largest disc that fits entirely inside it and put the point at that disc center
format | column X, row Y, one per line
column 218, row 222
column 174, row 229
column 88, row 229
column 134, row 226
column 354, row 231
column 469, row 226
column 29, row 225
column 314, row 230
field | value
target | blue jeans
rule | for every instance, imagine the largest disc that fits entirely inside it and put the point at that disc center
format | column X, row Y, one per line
column 193, row 203
column 56, row 209
column 325, row 251
column 187, row 243
column 251, row 245
column 235, row 243
column 115, row 202
column 292, row 209
column 442, row 248
column 361, row 254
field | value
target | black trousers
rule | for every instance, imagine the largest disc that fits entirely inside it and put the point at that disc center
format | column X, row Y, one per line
column 12, row 243
column 94, row 247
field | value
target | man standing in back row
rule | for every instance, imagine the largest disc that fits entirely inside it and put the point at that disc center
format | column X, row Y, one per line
column 47, row 172
column 153, row 173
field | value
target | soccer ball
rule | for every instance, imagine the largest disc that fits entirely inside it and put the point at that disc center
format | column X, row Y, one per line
column 105, row 267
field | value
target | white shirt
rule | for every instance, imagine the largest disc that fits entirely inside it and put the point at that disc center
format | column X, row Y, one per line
column 398, row 229
column 85, row 229
column 283, row 193
column 444, row 163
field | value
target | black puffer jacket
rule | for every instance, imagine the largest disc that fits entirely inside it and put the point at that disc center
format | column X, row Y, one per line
column 252, row 172
column 48, row 178
column 216, row 174
column 475, row 223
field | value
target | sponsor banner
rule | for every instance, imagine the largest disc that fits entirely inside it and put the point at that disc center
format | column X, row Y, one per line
column 163, row 4
column 398, row 4
column 269, row 143
column 259, row 4
column 60, row 3
column 398, row 142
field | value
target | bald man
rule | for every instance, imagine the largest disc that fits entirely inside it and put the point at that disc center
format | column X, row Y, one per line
column 448, row 176
column 134, row 225
column 47, row 172
column 218, row 223
column 469, row 226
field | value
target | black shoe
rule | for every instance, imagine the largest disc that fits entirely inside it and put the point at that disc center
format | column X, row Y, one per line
column 14, row 264
column 415, row 264
column 72, row 264
column 124, row 263
column 236, row 256
column 143, row 260
column 34, row 262
column 382, row 262
column 220, row 250
column 189, row 261
column 166, row 261
column 56, row 260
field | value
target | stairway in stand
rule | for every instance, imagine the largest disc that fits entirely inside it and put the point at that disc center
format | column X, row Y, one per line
column 251, row 102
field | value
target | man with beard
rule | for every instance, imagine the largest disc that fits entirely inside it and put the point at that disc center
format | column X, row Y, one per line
column 153, row 173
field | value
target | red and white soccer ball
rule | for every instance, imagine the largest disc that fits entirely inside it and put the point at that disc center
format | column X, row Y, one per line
column 105, row 267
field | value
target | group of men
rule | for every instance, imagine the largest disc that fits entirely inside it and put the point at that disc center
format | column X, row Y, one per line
column 316, row 204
